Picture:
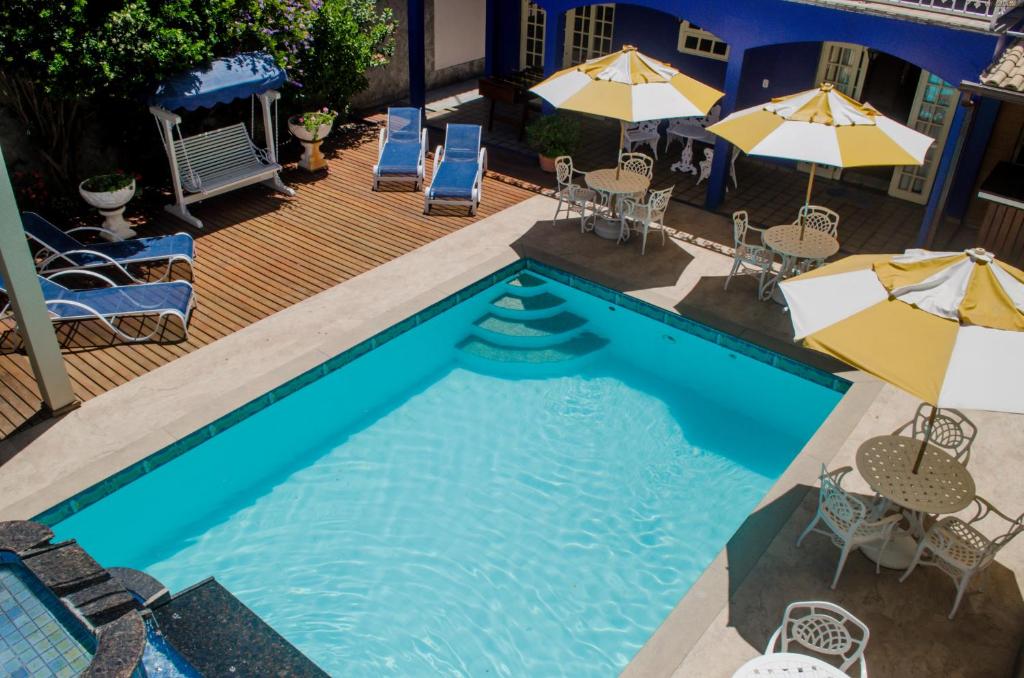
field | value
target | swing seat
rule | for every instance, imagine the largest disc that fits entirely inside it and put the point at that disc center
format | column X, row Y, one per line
column 220, row 160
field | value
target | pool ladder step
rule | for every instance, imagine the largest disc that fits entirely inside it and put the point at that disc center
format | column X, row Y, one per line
column 560, row 354
column 525, row 284
column 528, row 331
column 514, row 305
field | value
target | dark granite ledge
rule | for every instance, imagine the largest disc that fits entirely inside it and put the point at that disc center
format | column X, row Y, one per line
column 88, row 590
column 220, row 636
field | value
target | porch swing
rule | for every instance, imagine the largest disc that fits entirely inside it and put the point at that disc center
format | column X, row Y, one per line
column 221, row 160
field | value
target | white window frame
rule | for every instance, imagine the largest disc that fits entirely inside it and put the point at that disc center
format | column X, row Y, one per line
column 593, row 47
column 688, row 30
column 535, row 17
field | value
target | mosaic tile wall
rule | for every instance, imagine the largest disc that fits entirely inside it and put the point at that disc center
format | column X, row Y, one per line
column 33, row 641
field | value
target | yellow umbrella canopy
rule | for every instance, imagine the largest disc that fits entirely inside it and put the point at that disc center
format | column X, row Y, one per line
column 947, row 327
column 628, row 86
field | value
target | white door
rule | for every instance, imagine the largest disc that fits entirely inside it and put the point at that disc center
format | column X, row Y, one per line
column 932, row 114
column 844, row 65
column 531, row 36
column 588, row 33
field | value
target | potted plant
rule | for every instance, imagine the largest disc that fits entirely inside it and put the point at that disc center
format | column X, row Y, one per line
column 310, row 129
column 552, row 136
column 110, row 193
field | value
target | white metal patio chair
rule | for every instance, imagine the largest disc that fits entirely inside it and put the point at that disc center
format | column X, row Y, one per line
column 640, row 134
column 685, row 162
column 750, row 258
column 645, row 215
column 849, row 521
column 959, row 548
column 820, row 219
column 825, row 629
column 637, row 163
column 572, row 197
column 709, row 159
column 951, row 431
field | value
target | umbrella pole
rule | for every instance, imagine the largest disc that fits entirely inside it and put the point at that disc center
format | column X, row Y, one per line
column 927, row 437
column 807, row 198
column 618, row 151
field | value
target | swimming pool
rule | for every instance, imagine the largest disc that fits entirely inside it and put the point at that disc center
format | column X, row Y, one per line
column 523, row 484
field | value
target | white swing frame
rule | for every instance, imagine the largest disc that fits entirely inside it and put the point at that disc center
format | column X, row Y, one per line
column 265, row 168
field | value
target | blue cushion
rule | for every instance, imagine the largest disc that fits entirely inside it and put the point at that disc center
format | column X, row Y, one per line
column 140, row 249
column 454, row 180
column 113, row 301
column 404, row 124
column 462, row 142
column 399, row 157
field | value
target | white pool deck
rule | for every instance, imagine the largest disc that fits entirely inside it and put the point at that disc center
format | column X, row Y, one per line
column 729, row 614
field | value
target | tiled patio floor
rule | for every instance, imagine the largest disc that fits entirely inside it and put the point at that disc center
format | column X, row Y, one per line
column 871, row 221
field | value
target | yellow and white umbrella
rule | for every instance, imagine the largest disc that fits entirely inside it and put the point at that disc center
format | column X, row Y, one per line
column 628, row 86
column 823, row 126
column 947, row 327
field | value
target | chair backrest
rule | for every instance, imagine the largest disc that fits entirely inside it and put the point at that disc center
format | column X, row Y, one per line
column 820, row 219
column 1011, row 528
column 658, row 201
column 404, row 124
column 563, row 171
column 205, row 156
column 740, row 224
column 951, row 430
column 462, row 142
column 826, row 629
column 645, row 126
column 638, row 163
column 842, row 512
column 45, row 234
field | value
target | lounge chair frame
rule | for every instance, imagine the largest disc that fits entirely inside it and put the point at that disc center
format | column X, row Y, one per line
column 477, row 193
column 109, row 320
column 417, row 180
column 57, row 262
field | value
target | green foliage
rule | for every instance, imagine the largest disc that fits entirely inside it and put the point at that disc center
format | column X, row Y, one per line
column 312, row 120
column 107, row 183
column 349, row 37
column 554, row 135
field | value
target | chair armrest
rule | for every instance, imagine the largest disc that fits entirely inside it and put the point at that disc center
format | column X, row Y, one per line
column 423, row 146
column 838, row 474
column 90, row 274
column 770, row 649
column 381, row 140
column 438, row 156
column 482, row 159
column 91, row 228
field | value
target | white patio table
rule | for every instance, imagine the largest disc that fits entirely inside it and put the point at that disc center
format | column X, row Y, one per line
column 788, row 664
column 942, row 485
column 785, row 239
column 614, row 184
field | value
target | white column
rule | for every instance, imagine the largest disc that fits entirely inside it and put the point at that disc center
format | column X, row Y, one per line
column 34, row 324
column 266, row 98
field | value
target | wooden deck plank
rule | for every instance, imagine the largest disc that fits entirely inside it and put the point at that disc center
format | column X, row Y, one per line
column 261, row 252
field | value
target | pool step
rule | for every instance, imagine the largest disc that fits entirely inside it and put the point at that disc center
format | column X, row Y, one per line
column 525, row 284
column 487, row 355
column 530, row 331
column 513, row 305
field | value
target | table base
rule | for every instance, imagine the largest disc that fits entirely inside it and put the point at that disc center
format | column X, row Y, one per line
column 609, row 229
column 899, row 552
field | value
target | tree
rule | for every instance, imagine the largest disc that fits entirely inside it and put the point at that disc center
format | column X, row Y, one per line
column 349, row 37
column 63, row 60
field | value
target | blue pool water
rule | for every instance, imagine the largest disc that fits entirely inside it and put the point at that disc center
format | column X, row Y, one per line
column 525, row 484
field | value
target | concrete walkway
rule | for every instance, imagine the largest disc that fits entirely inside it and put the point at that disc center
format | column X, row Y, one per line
column 742, row 597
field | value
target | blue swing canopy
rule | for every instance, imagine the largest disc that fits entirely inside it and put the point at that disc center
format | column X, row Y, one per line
column 220, row 82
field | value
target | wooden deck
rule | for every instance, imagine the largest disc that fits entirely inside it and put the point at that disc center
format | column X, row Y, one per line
column 261, row 252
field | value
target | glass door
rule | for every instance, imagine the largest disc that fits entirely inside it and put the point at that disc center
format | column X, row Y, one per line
column 531, row 36
column 588, row 33
column 932, row 114
column 844, row 65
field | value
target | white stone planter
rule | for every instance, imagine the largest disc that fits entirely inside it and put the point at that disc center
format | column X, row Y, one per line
column 312, row 158
column 111, row 205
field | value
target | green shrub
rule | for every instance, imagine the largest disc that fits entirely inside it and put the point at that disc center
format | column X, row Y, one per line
column 348, row 37
column 554, row 135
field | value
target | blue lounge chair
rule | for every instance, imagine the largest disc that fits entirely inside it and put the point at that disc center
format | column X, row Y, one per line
column 112, row 304
column 60, row 251
column 458, row 169
column 401, row 149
